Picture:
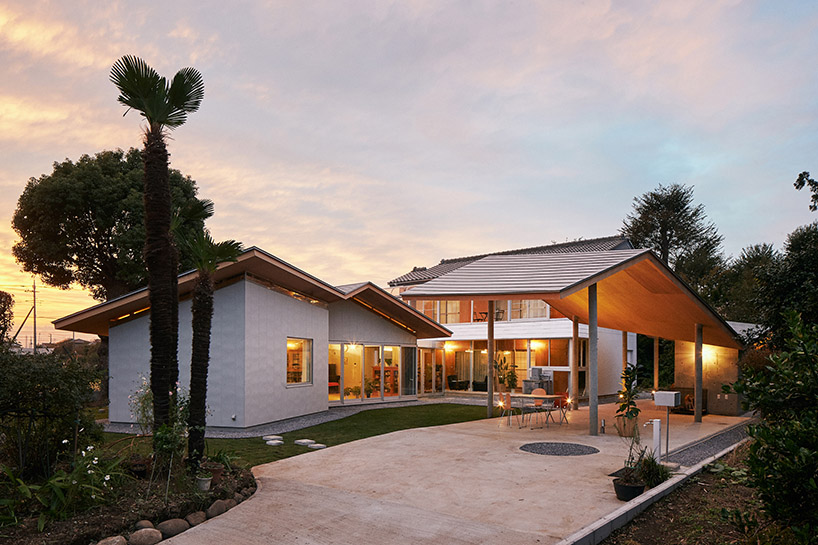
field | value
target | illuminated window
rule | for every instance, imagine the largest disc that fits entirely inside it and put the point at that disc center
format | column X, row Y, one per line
column 449, row 312
column 299, row 361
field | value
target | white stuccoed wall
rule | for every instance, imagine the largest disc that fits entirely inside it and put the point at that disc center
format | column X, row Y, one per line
column 350, row 322
column 270, row 318
column 129, row 357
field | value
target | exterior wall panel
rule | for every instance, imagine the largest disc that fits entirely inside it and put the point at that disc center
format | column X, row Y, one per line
column 349, row 321
column 271, row 317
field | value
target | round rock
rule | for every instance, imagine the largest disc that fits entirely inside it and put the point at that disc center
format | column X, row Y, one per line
column 272, row 438
column 196, row 518
column 145, row 536
column 171, row 527
column 142, row 524
column 114, row 540
column 275, row 442
column 217, row 508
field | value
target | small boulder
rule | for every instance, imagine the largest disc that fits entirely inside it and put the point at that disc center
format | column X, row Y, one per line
column 217, row 508
column 142, row 524
column 275, row 442
column 145, row 536
column 114, row 540
column 304, row 442
column 231, row 503
column 171, row 527
column 238, row 498
column 317, row 446
column 194, row 519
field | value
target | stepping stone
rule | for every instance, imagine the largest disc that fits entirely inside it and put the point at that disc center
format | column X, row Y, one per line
column 317, row 446
column 272, row 438
column 275, row 443
column 304, row 442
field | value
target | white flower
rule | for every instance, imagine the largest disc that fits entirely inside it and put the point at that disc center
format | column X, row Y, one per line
column 89, row 471
column 107, row 477
column 83, row 452
column 93, row 497
column 73, row 482
column 90, row 448
column 94, row 461
column 64, row 441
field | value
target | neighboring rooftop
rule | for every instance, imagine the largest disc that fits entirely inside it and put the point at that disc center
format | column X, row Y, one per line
column 419, row 275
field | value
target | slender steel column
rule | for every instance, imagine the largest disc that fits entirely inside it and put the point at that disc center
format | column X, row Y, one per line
column 699, row 373
column 490, row 370
column 593, row 376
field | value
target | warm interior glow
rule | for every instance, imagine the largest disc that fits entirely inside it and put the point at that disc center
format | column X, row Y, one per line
column 537, row 345
column 292, row 345
column 708, row 353
column 448, row 347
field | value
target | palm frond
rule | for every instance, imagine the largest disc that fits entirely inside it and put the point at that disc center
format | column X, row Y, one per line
column 184, row 95
column 138, row 85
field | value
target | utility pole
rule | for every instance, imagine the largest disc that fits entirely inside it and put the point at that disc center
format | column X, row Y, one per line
column 34, row 291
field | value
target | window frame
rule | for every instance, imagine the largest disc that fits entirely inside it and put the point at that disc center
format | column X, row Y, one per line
column 310, row 368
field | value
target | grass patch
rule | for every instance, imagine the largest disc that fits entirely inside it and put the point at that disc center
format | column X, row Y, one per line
column 253, row 451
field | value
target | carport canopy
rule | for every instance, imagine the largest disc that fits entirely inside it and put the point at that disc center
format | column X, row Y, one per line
column 627, row 290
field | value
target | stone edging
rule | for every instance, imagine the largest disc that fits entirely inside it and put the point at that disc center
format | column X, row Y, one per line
column 597, row 531
column 146, row 533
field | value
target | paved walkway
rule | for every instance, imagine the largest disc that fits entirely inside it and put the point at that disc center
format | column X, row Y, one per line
column 462, row 483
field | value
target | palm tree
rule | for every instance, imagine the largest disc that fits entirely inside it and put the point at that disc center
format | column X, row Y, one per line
column 206, row 254
column 162, row 105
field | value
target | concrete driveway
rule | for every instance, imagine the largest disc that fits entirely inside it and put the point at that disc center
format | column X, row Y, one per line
column 462, row 483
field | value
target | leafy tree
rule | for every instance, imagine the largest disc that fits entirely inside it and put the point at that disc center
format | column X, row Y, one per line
column 783, row 460
column 805, row 180
column 84, row 223
column 163, row 104
column 666, row 221
column 6, row 315
column 740, row 283
column 207, row 254
column 789, row 283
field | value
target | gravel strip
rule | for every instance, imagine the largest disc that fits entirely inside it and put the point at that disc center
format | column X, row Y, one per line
column 559, row 449
column 691, row 455
column 301, row 422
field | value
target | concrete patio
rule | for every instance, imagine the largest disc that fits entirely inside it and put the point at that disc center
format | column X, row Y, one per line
column 462, row 483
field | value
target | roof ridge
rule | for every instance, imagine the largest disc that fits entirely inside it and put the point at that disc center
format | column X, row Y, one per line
column 531, row 248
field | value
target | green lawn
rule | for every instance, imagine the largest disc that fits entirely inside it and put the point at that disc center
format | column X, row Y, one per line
column 254, row 450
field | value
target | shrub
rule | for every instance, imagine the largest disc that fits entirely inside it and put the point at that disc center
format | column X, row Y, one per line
column 783, row 459
column 41, row 400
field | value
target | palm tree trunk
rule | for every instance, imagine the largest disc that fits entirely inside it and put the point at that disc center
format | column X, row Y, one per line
column 202, row 312
column 160, row 258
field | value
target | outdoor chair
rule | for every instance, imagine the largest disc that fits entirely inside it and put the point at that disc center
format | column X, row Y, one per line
column 507, row 408
column 533, row 408
column 563, row 405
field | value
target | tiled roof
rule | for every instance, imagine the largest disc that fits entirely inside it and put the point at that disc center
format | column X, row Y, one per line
column 524, row 273
column 419, row 275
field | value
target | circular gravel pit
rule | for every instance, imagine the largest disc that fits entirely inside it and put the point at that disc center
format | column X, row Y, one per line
column 559, row 449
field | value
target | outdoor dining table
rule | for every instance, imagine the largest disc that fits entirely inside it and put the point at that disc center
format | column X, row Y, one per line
column 544, row 397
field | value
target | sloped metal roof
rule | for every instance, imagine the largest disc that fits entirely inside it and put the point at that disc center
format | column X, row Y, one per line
column 419, row 275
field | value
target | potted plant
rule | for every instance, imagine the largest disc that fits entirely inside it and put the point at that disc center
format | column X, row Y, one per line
column 371, row 385
column 214, row 468
column 627, row 414
column 203, row 479
column 501, row 371
column 629, row 483
column 511, row 378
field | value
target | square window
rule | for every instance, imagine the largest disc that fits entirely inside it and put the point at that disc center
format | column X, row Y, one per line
column 299, row 361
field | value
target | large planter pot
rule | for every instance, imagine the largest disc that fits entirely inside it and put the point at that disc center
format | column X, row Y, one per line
column 626, row 492
column 203, row 483
column 216, row 469
column 626, row 427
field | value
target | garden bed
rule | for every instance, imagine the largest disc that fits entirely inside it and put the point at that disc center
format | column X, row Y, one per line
column 131, row 506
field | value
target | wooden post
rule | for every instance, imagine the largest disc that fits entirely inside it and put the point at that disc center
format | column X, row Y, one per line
column 593, row 349
column 624, row 353
column 575, row 365
column 656, row 363
column 490, row 370
column 698, row 394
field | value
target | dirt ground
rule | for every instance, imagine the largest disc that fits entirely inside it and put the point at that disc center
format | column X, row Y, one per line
column 715, row 507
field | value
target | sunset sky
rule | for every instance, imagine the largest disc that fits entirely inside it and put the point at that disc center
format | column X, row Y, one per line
column 359, row 139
